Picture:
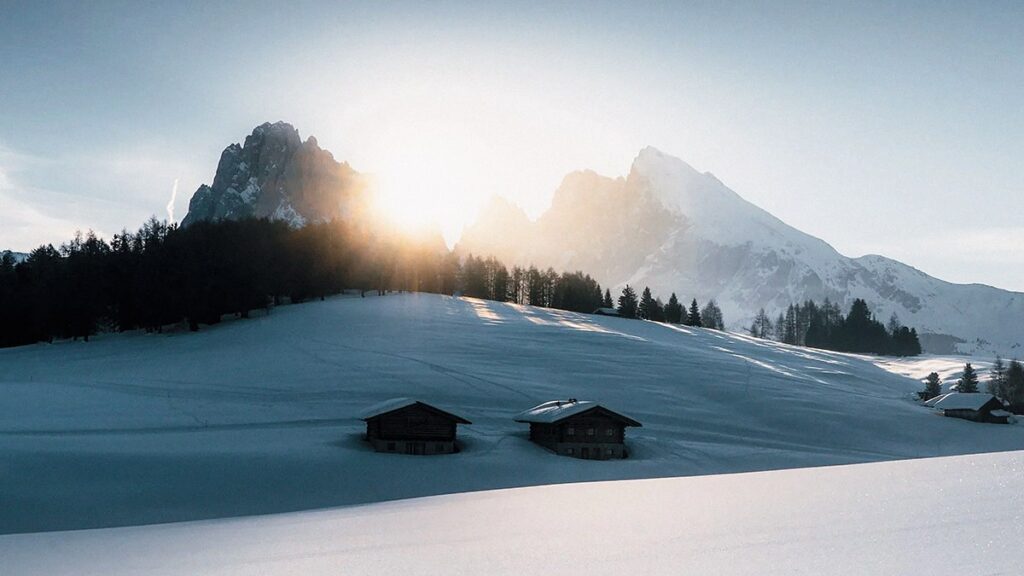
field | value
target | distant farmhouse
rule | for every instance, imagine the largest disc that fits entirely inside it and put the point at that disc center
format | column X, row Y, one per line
column 578, row 428
column 606, row 312
column 407, row 426
column 973, row 406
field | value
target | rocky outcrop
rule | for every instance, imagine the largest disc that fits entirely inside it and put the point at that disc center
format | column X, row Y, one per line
column 276, row 175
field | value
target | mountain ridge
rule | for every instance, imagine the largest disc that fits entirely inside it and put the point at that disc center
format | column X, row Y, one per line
column 699, row 238
column 275, row 174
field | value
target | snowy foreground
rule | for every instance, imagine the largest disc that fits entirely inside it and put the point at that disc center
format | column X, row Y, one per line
column 259, row 416
column 956, row 516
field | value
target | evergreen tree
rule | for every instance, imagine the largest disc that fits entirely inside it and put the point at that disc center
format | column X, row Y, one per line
column 627, row 303
column 711, row 316
column 693, row 319
column 778, row 332
column 762, row 326
column 932, row 387
column 1014, row 385
column 996, row 384
column 607, row 302
column 658, row 311
column 673, row 310
column 646, row 307
column 789, row 335
column 969, row 381
column 894, row 324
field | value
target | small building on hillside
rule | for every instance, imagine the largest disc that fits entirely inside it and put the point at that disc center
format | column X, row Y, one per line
column 974, row 406
column 606, row 312
column 407, row 426
column 578, row 428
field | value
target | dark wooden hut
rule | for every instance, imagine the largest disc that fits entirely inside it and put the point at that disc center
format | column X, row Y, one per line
column 974, row 406
column 407, row 426
column 578, row 428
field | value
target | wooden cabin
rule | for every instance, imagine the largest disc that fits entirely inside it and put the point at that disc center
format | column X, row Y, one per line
column 606, row 312
column 406, row 426
column 578, row 428
column 974, row 406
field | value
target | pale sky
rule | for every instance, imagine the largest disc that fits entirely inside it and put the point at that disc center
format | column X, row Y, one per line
column 891, row 128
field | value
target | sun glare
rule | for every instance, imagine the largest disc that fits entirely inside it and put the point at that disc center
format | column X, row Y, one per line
column 426, row 186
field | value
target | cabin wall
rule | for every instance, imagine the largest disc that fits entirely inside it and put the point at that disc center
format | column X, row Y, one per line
column 414, row 447
column 412, row 430
column 588, row 436
column 591, row 429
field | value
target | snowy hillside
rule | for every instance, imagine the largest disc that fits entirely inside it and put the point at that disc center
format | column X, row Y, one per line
column 672, row 228
column 944, row 516
column 259, row 416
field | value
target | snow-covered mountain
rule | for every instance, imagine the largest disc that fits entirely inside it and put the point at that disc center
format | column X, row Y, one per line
column 672, row 228
column 275, row 174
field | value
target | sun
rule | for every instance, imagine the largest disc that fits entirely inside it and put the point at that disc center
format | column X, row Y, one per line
column 427, row 187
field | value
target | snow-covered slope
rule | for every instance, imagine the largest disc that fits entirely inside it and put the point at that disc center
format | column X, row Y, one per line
column 675, row 229
column 943, row 516
column 261, row 415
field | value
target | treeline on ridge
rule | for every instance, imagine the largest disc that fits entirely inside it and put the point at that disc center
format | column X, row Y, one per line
column 824, row 326
column 162, row 274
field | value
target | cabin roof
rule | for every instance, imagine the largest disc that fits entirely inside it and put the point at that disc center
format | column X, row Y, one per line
column 961, row 401
column 607, row 311
column 557, row 410
column 394, row 404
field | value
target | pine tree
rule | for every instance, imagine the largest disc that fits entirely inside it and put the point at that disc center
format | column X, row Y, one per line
column 932, row 387
column 646, row 308
column 894, row 324
column 1014, row 386
column 789, row 335
column 762, row 326
column 627, row 303
column 693, row 319
column 657, row 311
column 778, row 333
column 969, row 381
column 673, row 310
column 607, row 302
column 711, row 316
column 996, row 384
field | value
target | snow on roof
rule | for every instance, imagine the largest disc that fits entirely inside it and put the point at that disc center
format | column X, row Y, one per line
column 393, row 404
column 931, row 401
column 1001, row 413
column 558, row 410
column 607, row 311
column 961, row 401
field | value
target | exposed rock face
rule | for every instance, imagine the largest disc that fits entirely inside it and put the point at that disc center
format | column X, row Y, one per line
column 276, row 175
column 672, row 228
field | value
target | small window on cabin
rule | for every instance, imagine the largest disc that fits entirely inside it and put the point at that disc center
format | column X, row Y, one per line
column 609, row 432
column 609, row 452
column 391, row 446
column 590, row 431
column 570, row 431
column 570, row 451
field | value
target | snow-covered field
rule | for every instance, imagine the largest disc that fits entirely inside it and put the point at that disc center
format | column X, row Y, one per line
column 959, row 515
column 258, row 416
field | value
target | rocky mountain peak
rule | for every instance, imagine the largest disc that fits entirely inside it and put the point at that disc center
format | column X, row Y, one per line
column 274, row 174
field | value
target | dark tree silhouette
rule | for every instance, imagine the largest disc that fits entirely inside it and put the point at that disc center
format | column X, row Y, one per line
column 969, row 381
column 627, row 303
